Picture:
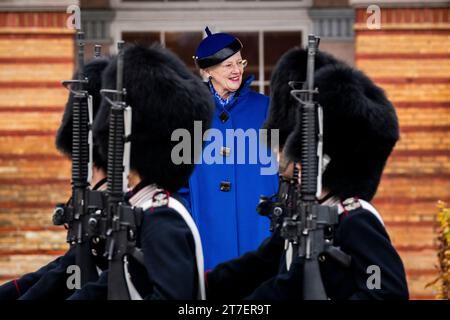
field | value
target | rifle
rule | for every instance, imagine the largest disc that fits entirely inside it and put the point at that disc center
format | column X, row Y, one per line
column 279, row 205
column 309, row 226
column 75, row 214
column 122, row 219
column 97, row 51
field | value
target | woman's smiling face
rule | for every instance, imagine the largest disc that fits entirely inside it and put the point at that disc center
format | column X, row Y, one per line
column 227, row 75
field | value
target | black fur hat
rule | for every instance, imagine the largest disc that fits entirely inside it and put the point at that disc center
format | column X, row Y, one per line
column 164, row 95
column 93, row 71
column 360, row 129
column 291, row 67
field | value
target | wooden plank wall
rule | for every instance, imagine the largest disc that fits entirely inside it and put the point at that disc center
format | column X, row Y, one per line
column 36, row 53
column 410, row 58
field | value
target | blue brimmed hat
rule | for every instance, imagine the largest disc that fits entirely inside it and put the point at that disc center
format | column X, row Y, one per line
column 216, row 48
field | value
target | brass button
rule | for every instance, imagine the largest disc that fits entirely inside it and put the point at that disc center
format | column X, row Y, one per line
column 224, row 117
column 225, row 186
column 224, row 151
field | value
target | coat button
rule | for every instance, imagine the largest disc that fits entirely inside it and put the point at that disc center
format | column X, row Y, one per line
column 224, row 117
column 224, row 151
column 225, row 186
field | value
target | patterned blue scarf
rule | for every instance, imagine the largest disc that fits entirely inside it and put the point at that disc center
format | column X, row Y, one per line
column 223, row 102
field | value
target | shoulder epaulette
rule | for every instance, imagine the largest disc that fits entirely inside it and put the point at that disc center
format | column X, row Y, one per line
column 160, row 199
column 350, row 204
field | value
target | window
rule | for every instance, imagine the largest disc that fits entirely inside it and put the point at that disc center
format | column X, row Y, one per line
column 183, row 44
column 250, row 52
column 262, row 49
column 160, row 0
column 275, row 45
column 142, row 38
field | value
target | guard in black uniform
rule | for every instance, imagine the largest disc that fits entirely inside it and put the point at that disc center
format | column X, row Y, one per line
column 50, row 280
column 360, row 130
column 164, row 96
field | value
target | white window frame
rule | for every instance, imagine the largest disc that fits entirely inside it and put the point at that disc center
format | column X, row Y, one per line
column 242, row 16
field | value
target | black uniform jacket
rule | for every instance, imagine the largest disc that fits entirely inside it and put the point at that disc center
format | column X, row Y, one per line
column 170, row 270
column 49, row 282
column 359, row 234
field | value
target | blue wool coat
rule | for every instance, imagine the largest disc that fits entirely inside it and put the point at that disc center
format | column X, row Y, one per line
column 223, row 197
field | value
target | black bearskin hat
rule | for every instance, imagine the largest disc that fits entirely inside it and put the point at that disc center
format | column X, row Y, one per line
column 93, row 71
column 164, row 95
column 360, row 129
column 291, row 67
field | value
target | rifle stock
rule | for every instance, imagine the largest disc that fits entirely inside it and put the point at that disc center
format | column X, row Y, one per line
column 305, row 224
column 76, row 213
column 122, row 219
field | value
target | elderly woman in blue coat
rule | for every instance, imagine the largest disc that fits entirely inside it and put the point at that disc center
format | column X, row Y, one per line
column 236, row 168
